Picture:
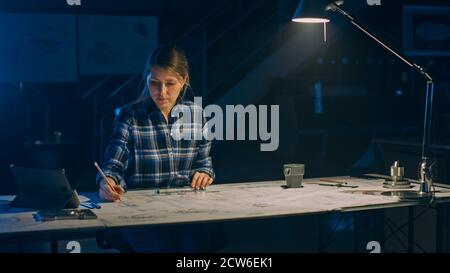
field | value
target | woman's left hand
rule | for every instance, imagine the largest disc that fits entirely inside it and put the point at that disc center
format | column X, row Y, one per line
column 201, row 180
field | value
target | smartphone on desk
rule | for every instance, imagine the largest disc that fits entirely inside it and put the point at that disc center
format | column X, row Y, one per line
column 65, row 214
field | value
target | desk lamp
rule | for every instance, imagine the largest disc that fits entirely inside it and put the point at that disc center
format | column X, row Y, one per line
column 309, row 11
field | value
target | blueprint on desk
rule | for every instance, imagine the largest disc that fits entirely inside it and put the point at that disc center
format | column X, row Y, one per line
column 219, row 202
column 240, row 201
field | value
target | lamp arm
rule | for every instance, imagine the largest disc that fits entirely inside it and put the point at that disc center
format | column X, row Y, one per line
column 425, row 177
column 418, row 68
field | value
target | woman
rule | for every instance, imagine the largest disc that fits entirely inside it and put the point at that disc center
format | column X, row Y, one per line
column 143, row 154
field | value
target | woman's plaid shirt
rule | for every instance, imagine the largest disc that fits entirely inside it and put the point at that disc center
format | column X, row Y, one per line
column 142, row 153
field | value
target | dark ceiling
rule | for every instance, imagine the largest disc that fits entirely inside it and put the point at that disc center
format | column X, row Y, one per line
column 147, row 7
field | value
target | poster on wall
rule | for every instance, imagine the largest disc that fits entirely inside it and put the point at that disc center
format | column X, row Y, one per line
column 426, row 30
column 37, row 48
column 115, row 44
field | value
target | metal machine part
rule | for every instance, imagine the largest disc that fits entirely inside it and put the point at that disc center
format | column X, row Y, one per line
column 425, row 178
column 396, row 180
column 397, row 172
column 409, row 195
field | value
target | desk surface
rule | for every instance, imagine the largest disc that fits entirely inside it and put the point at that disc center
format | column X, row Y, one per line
column 219, row 202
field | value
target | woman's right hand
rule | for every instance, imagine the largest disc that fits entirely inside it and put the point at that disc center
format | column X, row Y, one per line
column 109, row 191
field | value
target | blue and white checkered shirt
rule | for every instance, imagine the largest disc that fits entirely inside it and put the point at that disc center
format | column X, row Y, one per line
column 142, row 153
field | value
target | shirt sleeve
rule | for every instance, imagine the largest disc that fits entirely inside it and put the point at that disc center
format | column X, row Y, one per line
column 116, row 157
column 203, row 162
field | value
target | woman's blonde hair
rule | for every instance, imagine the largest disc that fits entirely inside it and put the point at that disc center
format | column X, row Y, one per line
column 170, row 58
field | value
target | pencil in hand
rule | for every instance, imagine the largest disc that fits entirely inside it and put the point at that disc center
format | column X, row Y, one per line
column 116, row 189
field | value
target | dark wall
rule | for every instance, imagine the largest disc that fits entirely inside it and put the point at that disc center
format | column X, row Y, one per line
column 360, row 101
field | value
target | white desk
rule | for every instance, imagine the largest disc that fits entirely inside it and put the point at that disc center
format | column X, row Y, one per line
column 220, row 202
column 246, row 201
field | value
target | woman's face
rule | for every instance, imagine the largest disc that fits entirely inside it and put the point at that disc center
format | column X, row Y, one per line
column 165, row 87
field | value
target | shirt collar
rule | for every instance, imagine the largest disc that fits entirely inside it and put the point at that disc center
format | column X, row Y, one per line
column 154, row 111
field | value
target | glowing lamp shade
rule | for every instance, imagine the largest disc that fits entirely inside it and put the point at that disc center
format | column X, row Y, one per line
column 311, row 11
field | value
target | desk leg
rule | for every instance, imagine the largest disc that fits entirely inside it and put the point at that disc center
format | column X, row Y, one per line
column 21, row 244
column 320, row 246
column 53, row 243
column 441, row 228
column 411, row 222
column 355, row 232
